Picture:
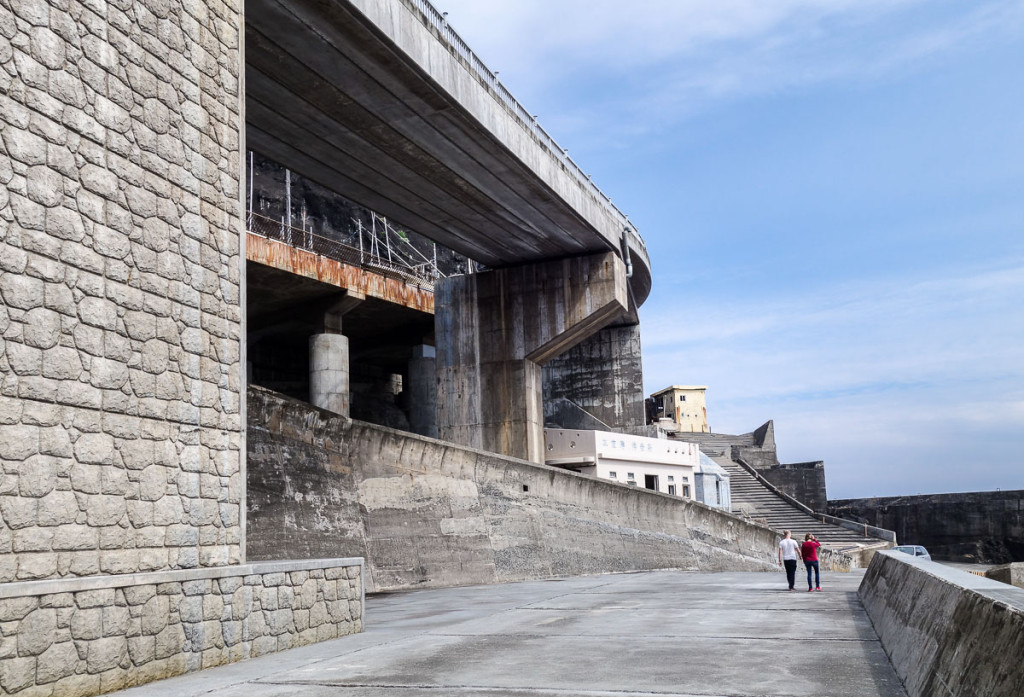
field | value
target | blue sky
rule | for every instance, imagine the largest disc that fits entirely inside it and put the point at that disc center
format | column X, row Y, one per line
column 832, row 192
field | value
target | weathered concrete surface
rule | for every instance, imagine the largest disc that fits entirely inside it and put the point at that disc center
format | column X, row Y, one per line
column 328, row 372
column 355, row 279
column 985, row 527
column 673, row 634
column 494, row 331
column 946, row 631
column 375, row 101
column 603, row 375
column 422, row 389
column 428, row 513
column 804, row 481
column 1008, row 573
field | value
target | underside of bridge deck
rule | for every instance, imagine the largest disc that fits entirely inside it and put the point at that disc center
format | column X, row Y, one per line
column 331, row 96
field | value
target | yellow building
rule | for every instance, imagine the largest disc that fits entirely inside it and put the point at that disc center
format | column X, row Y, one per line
column 685, row 406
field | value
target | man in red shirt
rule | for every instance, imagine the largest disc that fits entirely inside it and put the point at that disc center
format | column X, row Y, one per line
column 809, row 552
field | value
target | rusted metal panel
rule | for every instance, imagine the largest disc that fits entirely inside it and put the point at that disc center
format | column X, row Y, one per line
column 356, row 280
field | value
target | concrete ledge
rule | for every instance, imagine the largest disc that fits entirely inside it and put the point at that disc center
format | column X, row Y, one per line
column 946, row 631
column 89, row 583
column 86, row 636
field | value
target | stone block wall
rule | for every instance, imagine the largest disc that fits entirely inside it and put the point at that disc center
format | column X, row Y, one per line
column 429, row 513
column 120, row 276
column 90, row 636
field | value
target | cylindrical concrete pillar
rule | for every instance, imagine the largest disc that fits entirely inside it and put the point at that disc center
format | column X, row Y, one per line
column 422, row 392
column 328, row 372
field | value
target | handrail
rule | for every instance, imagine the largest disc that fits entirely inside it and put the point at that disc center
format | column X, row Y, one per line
column 867, row 530
column 438, row 21
column 333, row 249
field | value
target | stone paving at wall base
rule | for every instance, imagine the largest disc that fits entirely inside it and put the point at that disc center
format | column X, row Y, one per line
column 670, row 633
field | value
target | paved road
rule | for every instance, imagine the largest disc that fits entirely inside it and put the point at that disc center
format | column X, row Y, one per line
column 664, row 633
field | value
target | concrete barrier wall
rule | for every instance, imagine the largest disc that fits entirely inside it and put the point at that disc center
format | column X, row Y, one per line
column 982, row 526
column 946, row 631
column 428, row 513
column 88, row 636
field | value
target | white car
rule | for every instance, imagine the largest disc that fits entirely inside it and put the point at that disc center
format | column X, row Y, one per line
column 914, row 551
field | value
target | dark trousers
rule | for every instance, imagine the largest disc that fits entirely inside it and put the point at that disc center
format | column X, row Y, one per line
column 790, row 571
column 817, row 577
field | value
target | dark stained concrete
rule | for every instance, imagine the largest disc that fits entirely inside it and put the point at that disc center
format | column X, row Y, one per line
column 669, row 633
column 494, row 331
column 371, row 101
column 426, row 513
column 978, row 527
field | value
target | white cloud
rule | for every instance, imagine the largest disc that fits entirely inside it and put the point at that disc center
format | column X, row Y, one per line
column 652, row 63
column 881, row 379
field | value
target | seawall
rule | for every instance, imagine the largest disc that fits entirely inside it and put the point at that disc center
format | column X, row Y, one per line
column 428, row 513
column 946, row 631
column 981, row 527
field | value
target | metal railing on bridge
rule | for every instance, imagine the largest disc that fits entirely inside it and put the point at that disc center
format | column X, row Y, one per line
column 421, row 276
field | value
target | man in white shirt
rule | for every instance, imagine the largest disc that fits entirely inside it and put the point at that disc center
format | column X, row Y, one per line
column 789, row 553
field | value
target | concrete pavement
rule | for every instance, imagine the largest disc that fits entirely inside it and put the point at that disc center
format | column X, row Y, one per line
column 663, row 632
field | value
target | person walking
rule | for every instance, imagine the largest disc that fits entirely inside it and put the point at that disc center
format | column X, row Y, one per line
column 809, row 552
column 789, row 552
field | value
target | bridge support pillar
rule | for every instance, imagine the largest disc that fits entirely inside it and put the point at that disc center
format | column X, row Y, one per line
column 604, row 376
column 494, row 330
column 422, row 389
column 329, row 359
column 328, row 372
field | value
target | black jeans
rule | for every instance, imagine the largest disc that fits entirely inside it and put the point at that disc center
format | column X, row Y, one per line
column 790, row 571
column 817, row 578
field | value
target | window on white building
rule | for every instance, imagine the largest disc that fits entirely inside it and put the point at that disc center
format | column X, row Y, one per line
column 611, row 475
column 686, row 491
column 672, row 489
column 671, row 478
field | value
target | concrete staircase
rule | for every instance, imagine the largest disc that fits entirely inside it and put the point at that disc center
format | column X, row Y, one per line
column 750, row 498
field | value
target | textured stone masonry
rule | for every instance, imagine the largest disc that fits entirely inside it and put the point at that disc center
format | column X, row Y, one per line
column 120, row 428
column 73, row 637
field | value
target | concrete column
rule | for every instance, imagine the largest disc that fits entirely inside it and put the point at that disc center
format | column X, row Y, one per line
column 494, row 331
column 603, row 375
column 421, row 391
column 328, row 372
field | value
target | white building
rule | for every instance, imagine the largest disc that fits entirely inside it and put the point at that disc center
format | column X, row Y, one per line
column 667, row 466
column 711, row 484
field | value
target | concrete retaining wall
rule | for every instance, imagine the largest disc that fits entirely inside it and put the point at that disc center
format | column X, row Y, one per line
column 428, row 513
column 947, row 632
column 91, row 635
column 982, row 527
column 804, row 481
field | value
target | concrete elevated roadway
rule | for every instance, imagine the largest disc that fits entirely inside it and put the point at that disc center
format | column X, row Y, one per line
column 669, row 633
column 382, row 102
column 385, row 104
